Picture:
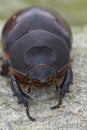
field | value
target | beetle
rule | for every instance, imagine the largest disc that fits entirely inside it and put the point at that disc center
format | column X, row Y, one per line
column 36, row 45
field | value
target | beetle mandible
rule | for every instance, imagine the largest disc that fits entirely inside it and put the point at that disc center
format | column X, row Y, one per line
column 36, row 44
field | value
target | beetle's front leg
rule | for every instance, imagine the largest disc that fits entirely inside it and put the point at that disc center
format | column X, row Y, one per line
column 22, row 98
column 4, row 68
column 67, row 81
column 17, row 91
column 64, row 87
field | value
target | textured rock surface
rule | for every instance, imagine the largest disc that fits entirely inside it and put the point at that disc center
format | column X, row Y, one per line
column 73, row 113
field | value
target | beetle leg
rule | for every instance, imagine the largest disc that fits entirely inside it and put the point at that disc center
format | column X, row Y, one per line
column 4, row 68
column 60, row 99
column 28, row 114
column 64, row 87
column 67, row 81
column 17, row 91
column 22, row 98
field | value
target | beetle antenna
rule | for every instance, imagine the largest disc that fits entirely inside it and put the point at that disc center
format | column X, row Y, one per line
column 28, row 114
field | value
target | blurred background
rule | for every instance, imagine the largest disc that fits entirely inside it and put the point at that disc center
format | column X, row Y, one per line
column 74, row 11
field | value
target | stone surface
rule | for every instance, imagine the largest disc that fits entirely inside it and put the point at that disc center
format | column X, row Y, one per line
column 73, row 113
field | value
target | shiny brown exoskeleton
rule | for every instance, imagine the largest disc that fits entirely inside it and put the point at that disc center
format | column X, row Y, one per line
column 37, row 44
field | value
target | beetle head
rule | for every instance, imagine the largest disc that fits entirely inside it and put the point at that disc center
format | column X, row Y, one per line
column 42, row 73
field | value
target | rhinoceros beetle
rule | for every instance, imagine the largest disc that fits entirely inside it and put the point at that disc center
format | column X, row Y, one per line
column 36, row 45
